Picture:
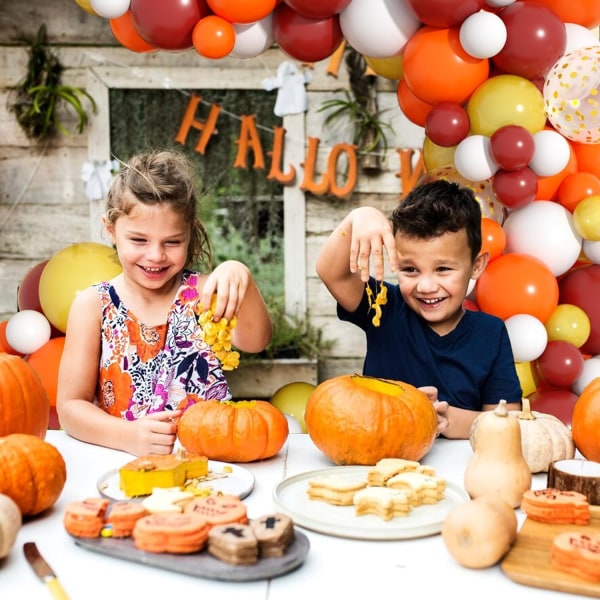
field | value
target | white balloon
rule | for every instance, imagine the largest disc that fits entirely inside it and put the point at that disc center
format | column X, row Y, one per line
column 528, row 337
column 293, row 424
column 483, row 34
column 551, row 153
column 591, row 370
column 499, row 3
column 378, row 28
column 27, row 331
column 545, row 230
column 110, row 9
column 591, row 249
column 579, row 36
column 252, row 39
column 473, row 159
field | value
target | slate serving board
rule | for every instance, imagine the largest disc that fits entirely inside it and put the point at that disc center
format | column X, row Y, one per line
column 528, row 561
column 203, row 564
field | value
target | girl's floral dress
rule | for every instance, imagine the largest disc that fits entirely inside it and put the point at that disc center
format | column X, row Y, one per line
column 146, row 369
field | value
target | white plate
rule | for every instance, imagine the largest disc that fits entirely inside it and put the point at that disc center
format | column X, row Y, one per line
column 240, row 482
column 290, row 497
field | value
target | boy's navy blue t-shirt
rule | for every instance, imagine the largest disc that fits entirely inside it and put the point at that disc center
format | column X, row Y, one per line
column 470, row 366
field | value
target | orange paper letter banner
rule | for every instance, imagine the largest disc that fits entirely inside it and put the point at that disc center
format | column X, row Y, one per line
column 189, row 121
column 332, row 161
column 276, row 159
column 249, row 138
column 407, row 174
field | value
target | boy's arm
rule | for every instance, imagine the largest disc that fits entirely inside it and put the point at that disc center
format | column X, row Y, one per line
column 354, row 246
column 460, row 420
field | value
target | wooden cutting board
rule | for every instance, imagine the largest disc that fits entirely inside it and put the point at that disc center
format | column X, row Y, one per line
column 528, row 561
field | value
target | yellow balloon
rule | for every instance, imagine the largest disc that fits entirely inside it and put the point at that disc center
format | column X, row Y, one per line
column 87, row 6
column 391, row 67
column 506, row 100
column 527, row 377
column 71, row 270
column 291, row 400
column 435, row 156
column 569, row 323
column 586, row 218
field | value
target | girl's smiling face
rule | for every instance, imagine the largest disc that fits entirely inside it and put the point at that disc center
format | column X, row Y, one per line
column 434, row 275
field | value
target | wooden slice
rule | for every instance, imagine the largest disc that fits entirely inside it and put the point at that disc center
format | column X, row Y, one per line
column 577, row 475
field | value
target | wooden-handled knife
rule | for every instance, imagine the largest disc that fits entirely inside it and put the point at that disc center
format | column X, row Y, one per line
column 44, row 571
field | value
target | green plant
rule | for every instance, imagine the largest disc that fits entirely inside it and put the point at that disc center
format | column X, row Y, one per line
column 38, row 96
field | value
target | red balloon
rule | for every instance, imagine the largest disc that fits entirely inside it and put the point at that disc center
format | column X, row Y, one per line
column 550, row 401
column 167, row 24
column 318, row 10
column 536, row 38
column 560, row 364
column 470, row 305
column 512, row 147
column 126, row 34
column 304, row 39
column 515, row 284
column 515, row 189
column 242, row 11
column 28, row 296
column 581, row 287
column 447, row 124
column 213, row 37
column 444, row 13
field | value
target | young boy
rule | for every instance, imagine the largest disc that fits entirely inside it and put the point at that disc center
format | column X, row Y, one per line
column 462, row 359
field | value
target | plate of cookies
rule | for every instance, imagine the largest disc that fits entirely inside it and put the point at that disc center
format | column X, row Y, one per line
column 395, row 499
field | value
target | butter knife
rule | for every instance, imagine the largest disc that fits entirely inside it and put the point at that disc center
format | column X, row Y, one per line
column 44, row 571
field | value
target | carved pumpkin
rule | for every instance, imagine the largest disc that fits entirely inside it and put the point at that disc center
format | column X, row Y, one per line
column 32, row 472
column 585, row 422
column 242, row 431
column 10, row 523
column 24, row 405
column 544, row 438
column 357, row 420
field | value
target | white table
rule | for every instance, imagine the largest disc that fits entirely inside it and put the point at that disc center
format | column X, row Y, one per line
column 349, row 568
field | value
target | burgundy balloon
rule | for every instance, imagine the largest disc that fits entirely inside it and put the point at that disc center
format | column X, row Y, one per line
column 535, row 39
column 515, row 189
column 301, row 38
column 560, row 364
column 512, row 147
column 167, row 24
column 581, row 287
column 552, row 401
column 28, row 293
column 444, row 13
column 447, row 124
column 318, row 10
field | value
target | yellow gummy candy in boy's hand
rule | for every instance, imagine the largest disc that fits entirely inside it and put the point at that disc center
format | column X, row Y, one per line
column 376, row 304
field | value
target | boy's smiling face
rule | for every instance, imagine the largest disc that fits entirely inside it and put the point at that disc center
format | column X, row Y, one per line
column 434, row 275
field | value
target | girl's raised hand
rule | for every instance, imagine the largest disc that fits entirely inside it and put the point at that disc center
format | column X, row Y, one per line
column 229, row 281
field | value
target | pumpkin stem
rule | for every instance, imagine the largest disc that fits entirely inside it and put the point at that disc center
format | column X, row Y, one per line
column 526, row 414
column 500, row 410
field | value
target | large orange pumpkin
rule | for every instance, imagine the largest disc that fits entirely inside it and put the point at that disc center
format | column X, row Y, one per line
column 357, row 420
column 32, row 472
column 585, row 421
column 24, row 404
column 242, row 431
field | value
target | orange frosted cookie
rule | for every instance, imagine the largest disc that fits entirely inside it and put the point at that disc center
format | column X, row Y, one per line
column 551, row 505
column 85, row 518
column 219, row 509
column 121, row 519
column 175, row 533
column 577, row 553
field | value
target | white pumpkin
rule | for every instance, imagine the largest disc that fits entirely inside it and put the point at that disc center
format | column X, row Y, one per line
column 10, row 523
column 544, row 438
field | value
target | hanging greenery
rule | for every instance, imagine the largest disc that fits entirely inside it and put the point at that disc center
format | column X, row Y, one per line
column 36, row 99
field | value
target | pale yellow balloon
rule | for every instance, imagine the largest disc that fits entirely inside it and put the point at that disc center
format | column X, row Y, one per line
column 435, row 156
column 87, row 6
column 527, row 377
column 506, row 100
column 291, row 400
column 390, row 68
column 569, row 323
column 586, row 218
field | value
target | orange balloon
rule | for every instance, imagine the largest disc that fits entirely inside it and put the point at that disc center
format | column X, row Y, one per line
column 213, row 37
column 4, row 345
column 576, row 187
column 437, row 69
column 413, row 108
column 126, row 34
column 45, row 362
column 581, row 12
column 242, row 11
column 493, row 237
column 588, row 157
column 547, row 188
column 514, row 284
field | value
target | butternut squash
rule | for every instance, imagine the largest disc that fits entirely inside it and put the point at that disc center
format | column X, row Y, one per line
column 479, row 532
column 10, row 524
column 497, row 465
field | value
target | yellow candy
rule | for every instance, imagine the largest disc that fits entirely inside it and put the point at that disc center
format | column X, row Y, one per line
column 218, row 337
column 377, row 303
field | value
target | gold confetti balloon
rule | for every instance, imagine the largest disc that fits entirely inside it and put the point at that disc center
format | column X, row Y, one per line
column 572, row 95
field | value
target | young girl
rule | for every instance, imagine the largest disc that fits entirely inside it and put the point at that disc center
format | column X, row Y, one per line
column 134, row 348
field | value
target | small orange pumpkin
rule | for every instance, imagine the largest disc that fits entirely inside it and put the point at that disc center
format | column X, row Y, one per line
column 24, row 404
column 233, row 431
column 585, row 421
column 32, row 472
column 358, row 420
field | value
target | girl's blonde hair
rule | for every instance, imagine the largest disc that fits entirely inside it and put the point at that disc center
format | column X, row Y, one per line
column 161, row 177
